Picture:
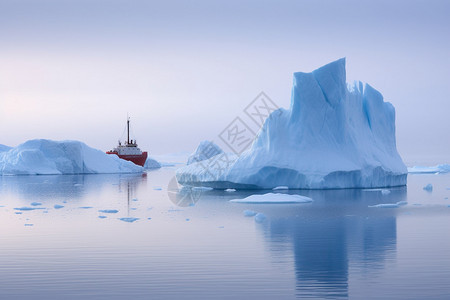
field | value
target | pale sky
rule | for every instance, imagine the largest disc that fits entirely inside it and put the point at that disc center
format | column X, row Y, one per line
column 183, row 70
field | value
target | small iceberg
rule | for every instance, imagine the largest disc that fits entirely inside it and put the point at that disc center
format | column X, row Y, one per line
column 108, row 211
column 390, row 205
column 274, row 198
column 230, row 190
column 249, row 213
column 25, row 208
column 202, row 188
column 428, row 187
column 128, row 219
column 260, row 218
column 385, row 205
column 282, row 187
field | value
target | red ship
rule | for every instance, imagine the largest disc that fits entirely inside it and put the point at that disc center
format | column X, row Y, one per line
column 129, row 150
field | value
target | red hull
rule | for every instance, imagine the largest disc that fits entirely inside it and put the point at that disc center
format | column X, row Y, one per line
column 136, row 159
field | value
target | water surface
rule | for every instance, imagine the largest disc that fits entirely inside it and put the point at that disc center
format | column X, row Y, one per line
column 141, row 237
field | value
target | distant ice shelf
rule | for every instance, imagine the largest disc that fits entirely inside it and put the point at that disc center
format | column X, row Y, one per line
column 443, row 168
column 333, row 135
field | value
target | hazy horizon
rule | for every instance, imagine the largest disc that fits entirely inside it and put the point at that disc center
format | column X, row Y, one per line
column 184, row 71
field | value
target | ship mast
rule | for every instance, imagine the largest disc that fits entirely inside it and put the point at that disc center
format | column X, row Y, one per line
column 128, row 130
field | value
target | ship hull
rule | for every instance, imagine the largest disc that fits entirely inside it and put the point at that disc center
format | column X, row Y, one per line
column 136, row 159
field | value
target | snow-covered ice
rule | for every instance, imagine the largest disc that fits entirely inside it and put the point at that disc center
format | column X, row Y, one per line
column 273, row 198
column 332, row 136
column 61, row 157
column 230, row 190
column 204, row 151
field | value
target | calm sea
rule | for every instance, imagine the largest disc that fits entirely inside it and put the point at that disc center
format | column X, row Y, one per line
column 142, row 237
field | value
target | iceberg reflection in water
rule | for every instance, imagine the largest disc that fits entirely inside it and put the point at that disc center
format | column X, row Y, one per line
column 172, row 242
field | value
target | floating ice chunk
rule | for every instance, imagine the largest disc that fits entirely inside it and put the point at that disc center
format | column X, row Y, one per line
column 281, row 187
column 57, row 206
column 428, row 187
column 249, row 213
column 230, row 190
column 35, row 203
column 385, row 192
column 386, row 205
column 202, row 188
column 25, row 208
column 205, row 150
column 260, row 218
column 128, row 219
column 273, row 198
column 109, row 211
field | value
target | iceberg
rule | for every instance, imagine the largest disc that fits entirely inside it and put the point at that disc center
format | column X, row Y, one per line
column 333, row 135
column 39, row 157
column 273, row 198
column 204, row 151
column 4, row 148
column 151, row 163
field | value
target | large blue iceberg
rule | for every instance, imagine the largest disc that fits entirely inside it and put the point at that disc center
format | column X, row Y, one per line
column 334, row 135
